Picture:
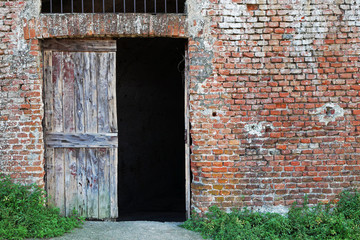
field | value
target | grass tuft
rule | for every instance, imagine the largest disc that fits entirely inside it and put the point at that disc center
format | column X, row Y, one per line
column 323, row 221
column 24, row 214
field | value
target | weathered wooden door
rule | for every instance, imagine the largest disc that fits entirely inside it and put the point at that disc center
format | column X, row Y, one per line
column 80, row 126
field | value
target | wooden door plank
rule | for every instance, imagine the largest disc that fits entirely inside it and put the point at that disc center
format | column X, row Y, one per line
column 102, row 91
column 58, row 92
column 48, row 87
column 70, row 180
column 92, row 188
column 90, row 92
column 58, row 127
column 113, row 157
column 50, row 176
column 113, row 183
column 59, row 197
column 81, row 182
column 48, row 126
column 103, row 127
column 112, row 93
column 79, row 74
column 103, row 156
column 68, row 92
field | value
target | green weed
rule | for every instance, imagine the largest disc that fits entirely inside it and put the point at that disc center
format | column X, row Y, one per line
column 24, row 214
column 323, row 221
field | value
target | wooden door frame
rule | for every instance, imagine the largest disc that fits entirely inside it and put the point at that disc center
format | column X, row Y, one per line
column 187, row 134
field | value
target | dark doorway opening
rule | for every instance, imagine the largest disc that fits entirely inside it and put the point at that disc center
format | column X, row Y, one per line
column 150, row 108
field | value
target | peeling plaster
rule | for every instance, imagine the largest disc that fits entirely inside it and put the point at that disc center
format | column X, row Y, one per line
column 280, row 209
column 199, row 28
column 329, row 112
column 254, row 129
column 197, row 22
column 206, row 59
column 257, row 128
column 209, row 113
column 32, row 9
column 3, row 126
column 20, row 59
column 272, row 151
column 36, row 134
column 272, row 209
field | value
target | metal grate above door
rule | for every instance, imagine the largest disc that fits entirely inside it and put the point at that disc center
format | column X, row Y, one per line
column 113, row 6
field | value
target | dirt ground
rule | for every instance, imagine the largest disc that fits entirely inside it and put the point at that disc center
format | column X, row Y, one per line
column 131, row 230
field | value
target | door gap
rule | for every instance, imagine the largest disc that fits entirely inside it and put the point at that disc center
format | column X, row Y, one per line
column 151, row 123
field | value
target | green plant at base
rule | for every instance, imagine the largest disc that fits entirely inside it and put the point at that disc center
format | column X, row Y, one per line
column 321, row 221
column 24, row 214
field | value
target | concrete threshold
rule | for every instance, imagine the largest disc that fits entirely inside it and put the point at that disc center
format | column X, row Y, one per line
column 131, row 230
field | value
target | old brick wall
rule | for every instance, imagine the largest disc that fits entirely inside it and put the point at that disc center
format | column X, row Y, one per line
column 21, row 150
column 274, row 94
column 275, row 101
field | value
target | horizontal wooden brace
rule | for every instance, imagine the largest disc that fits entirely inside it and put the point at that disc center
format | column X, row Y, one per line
column 81, row 140
column 79, row 45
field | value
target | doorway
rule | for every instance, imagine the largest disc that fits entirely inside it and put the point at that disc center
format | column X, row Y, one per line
column 150, row 93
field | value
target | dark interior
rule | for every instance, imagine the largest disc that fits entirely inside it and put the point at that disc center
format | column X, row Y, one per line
column 113, row 6
column 150, row 107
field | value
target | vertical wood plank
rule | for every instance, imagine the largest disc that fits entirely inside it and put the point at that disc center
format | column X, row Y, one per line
column 91, row 64
column 113, row 157
column 102, row 91
column 68, row 92
column 90, row 91
column 48, row 127
column 103, row 127
column 70, row 180
column 50, row 176
column 103, row 157
column 81, row 182
column 112, row 93
column 58, row 92
column 113, row 183
column 58, row 127
column 69, row 126
column 59, row 180
column 79, row 75
column 92, row 189
column 48, row 89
